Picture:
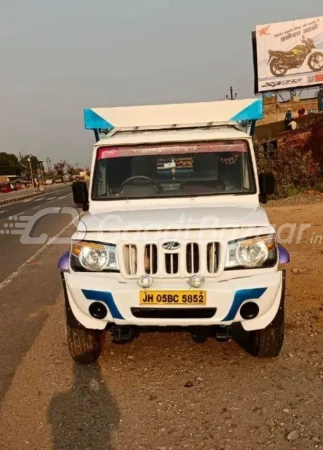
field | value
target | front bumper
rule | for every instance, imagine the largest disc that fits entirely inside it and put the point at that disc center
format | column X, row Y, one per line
column 226, row 297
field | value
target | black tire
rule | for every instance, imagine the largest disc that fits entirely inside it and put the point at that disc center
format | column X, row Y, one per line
column 273, row 64
column 85, row 346
column 267, row 343
column 310, row 62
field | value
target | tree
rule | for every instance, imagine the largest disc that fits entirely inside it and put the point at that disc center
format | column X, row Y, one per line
column 71, row 170
column 9, row 164
column 25, row 164
column 59, row 168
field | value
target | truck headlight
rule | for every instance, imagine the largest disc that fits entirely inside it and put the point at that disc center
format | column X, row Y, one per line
column 252, row 253
column 94, row 257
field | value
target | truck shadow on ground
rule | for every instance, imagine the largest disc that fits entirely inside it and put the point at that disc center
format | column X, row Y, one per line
column 83, row 417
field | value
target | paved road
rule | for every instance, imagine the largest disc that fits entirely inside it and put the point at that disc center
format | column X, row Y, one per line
column 23, row 192
column 161, row 392
column 12, row 253
column 29, row 280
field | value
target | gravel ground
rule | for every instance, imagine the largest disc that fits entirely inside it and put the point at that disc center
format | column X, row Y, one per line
column 303, row 198
column 164, row 392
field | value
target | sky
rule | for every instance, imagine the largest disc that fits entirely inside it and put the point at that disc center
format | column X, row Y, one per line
column 60, row 57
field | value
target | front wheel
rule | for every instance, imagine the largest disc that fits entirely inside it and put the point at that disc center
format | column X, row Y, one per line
column 85, row 346
column 267, row 343
column 315, row 61
column 277, row 68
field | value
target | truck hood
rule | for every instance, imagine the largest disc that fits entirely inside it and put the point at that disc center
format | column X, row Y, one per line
column 175, row 219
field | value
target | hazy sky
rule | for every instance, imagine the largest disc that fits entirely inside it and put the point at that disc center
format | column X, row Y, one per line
column 58, row 57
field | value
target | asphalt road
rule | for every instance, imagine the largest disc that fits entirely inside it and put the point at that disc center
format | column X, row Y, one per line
column 29, row 279
column 46, row 211
column 8, row 195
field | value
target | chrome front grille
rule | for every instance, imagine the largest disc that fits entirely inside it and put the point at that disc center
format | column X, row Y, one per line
column 130, row 259
column 171, row 263
column 154, row 259
column 212, row 257
column 192, row 258
column 151, row 262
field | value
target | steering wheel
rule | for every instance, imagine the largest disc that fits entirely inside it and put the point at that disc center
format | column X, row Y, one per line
column 140, row 177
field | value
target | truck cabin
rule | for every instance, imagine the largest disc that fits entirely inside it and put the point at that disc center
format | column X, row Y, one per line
column 137, row 156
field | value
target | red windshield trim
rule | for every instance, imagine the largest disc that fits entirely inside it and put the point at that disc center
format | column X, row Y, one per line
column 107, row 152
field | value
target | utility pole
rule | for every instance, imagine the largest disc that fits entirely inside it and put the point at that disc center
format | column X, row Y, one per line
column 49, row 164
column 41, row 166
column 232, row 96
column 31, row 171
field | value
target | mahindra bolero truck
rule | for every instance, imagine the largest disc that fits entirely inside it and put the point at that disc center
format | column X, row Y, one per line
column 172, row 233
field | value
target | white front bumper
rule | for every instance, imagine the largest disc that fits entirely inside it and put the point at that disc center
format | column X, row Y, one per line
column 226, row 296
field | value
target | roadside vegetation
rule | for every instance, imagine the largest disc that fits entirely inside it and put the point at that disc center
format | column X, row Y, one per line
column 295, row 172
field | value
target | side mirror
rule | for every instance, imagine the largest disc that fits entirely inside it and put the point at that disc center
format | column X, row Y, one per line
column 81, row 194
column 266, row 186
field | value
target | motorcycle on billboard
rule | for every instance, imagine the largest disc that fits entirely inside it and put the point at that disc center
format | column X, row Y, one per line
column 281, row 62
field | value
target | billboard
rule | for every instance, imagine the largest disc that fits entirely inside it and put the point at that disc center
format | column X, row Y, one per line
column 288, row 54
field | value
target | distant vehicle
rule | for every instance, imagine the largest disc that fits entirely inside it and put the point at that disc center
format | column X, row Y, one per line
column 4, row 188
column 8, row 187
column 49, row 182
column 59, row 180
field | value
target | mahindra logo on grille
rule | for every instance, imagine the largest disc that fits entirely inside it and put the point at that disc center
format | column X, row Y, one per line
column 171, row 246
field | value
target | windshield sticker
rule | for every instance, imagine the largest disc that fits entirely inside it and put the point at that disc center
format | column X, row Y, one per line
column 214, row 147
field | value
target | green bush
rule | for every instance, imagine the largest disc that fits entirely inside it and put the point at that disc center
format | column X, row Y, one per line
column 294, row 171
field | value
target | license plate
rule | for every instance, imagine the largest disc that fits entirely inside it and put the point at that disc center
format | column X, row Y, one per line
column 162, row 298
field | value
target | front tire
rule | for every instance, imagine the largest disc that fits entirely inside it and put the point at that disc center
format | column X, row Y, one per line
column 267, row 343
column 315, row 61
column 276, row 69
column 85, row 346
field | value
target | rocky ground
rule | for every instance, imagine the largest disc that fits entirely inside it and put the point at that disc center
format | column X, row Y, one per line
column 164, row 392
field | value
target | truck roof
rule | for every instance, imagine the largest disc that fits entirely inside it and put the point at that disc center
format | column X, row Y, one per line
column 166, row 136
column 169, row 116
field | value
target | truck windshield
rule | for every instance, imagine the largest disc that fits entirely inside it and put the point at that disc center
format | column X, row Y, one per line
column 173, row 170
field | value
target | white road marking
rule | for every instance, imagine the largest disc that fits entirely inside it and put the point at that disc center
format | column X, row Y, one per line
column 16, row 273
column 26, row 212
column 52, row 198
column 64, row 196
column 3, row 211
column 27, row 200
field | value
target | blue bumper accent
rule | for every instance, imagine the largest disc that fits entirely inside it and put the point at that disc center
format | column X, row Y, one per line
column 240, row 297
column 105, row 297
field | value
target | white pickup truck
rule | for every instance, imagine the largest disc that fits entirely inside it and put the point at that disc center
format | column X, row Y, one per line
column 173, row 234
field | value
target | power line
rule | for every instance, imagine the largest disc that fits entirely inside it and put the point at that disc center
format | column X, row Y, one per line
column 242, row 82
